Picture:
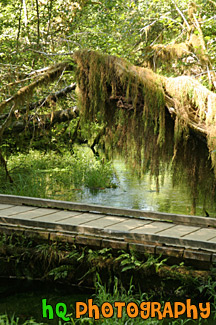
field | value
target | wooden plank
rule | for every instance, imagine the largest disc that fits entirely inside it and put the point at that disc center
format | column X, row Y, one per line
column 212, row 240
column 142, row 248
column 129, row 224
column 178, row 231
column 176, row 218
column 195, row 255
column 5, row 206
column 152, row 228
column 88, row 241
column 61, row 236
column 213, row 258
column 15, row 210
column 114, row 244
column 57, row 216
column 103, row 222
column 33, row 214
column 170, row 251
column 202, row 234
column 81, row 218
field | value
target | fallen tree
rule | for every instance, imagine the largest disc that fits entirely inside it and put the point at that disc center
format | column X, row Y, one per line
column 130, row 101
column 103, row 79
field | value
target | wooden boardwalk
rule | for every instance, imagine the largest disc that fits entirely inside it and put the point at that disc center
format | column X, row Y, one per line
column 180, row 236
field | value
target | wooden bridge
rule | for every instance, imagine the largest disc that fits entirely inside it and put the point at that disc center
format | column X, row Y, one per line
column 188, row 238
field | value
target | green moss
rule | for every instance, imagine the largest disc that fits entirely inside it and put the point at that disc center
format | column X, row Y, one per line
column 131, row 104
column 128, row 100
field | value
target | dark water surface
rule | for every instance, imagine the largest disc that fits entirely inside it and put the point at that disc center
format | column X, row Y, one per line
column 23, row 299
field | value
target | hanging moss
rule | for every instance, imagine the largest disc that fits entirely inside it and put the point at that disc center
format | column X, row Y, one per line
column 26, row 92
column 106, row 79
column 195, row 108
column 165, row 53
column 131, row 102
column 108, row 83
column 145, row 115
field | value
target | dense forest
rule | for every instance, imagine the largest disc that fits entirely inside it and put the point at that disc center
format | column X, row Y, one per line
column 82, row 83
column 135, row 78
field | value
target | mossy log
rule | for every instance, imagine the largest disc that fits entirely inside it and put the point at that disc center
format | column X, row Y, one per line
column 46, row 101
column 51, row 74
column 144, row 94
column 131, row 101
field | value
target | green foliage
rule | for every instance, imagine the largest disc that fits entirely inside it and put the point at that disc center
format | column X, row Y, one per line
column 48, row 254
column 122, row 28
column 5, row 320
column 72, row 264
column 60, row 272
column 54, row 175
column 209, row 289
column 29, row 38
column 14, row 240
column 130, row 261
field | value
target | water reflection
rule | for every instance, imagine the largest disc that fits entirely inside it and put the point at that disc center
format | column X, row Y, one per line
column 179, row 163
column 141, row 193
column 172, row 175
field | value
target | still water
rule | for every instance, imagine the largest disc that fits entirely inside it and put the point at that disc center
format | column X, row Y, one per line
column 24, row 298
column 144, row 193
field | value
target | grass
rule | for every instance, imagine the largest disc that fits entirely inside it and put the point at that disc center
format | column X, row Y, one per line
column 118, row 293
column 5, row 320
column 115, row 293
column 52, row 175
column 118, row 276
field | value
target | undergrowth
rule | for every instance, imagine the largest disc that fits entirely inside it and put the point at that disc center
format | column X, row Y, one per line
column 52, row 175
column 5, row 320
column 115, row 292
column 126, row 276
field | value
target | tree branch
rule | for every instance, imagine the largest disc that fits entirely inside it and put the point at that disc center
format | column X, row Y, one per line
column 51, row 74
column 43, row 121
column 181, row 14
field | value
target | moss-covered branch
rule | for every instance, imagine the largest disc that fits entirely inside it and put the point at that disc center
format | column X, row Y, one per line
column 51, row 74
column 102, row 78
column 131, row 103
